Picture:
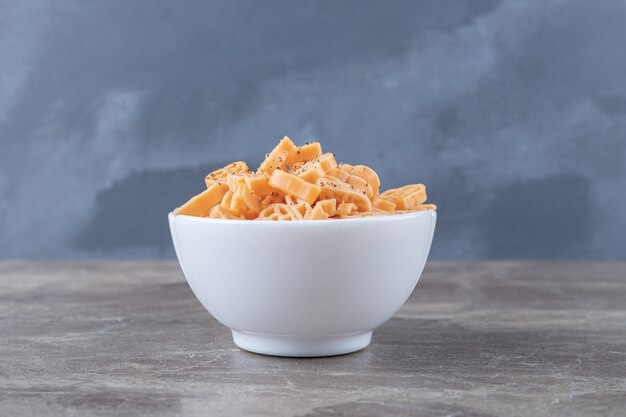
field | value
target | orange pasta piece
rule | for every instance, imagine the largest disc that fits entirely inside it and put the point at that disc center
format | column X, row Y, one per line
column 221, row 212
column 278, row 157
column 329, row 206
column 371, row 213
column 340, row 174
column 220, row 175
column 422, row 207
column 345, row 209
column 257, row 183
column 300, row 207
column 407, row 197
column 272, row 198
column 304, row 153
column 353, row 180
column 382, row 204
column 315, row 169
column 317, row 213
column 300, row 183
column 310, row 175
column 246, row 201
column 277, row 211
column 361, row 184
column 368, row 174
column 290, row 184
column 275, row 160
column 227, row 199
column 200, row 204
column 332, row 188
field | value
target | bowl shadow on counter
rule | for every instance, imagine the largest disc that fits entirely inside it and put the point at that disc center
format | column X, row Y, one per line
column 436, row 350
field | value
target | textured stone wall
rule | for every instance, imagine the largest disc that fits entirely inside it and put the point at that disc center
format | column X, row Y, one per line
column 513, row 113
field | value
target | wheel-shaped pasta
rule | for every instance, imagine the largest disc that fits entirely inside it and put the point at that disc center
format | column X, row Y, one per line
column 345, row 193
column 407, row 197
column 201, row 204
column 221, row 175
column 300, row 183
column 277, row 211
column 289, row 184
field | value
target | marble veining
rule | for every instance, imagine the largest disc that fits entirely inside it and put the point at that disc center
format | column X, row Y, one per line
column 474, row 339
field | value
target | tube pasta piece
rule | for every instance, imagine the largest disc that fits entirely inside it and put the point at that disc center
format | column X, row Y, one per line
column 200, row 204
column 382, row 204
column 220, row 175
column 407, row 197
column 290, row 184
column 346, row 193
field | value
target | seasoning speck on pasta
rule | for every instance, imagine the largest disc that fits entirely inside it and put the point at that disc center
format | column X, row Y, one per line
column 300, row 183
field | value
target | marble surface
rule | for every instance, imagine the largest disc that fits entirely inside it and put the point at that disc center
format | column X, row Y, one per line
column 475, row 339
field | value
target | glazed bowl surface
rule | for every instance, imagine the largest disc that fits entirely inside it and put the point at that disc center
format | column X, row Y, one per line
column 303, row 288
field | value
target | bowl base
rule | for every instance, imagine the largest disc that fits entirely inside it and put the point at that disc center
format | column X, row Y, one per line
column 294, row 346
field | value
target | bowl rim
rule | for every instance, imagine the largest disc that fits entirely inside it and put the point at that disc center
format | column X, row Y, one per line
column 389, row 218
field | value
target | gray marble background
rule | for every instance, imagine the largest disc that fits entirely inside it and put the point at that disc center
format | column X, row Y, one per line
column 512, row 112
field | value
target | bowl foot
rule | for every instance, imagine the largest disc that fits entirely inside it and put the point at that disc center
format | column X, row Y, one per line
column 279, row 345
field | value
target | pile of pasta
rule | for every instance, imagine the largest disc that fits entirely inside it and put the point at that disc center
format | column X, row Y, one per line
column 300, row 183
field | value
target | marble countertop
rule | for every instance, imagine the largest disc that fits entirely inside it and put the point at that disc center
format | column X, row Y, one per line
column 475, row 339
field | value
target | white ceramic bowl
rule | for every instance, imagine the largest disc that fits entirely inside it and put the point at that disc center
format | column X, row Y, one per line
column 303, row 288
